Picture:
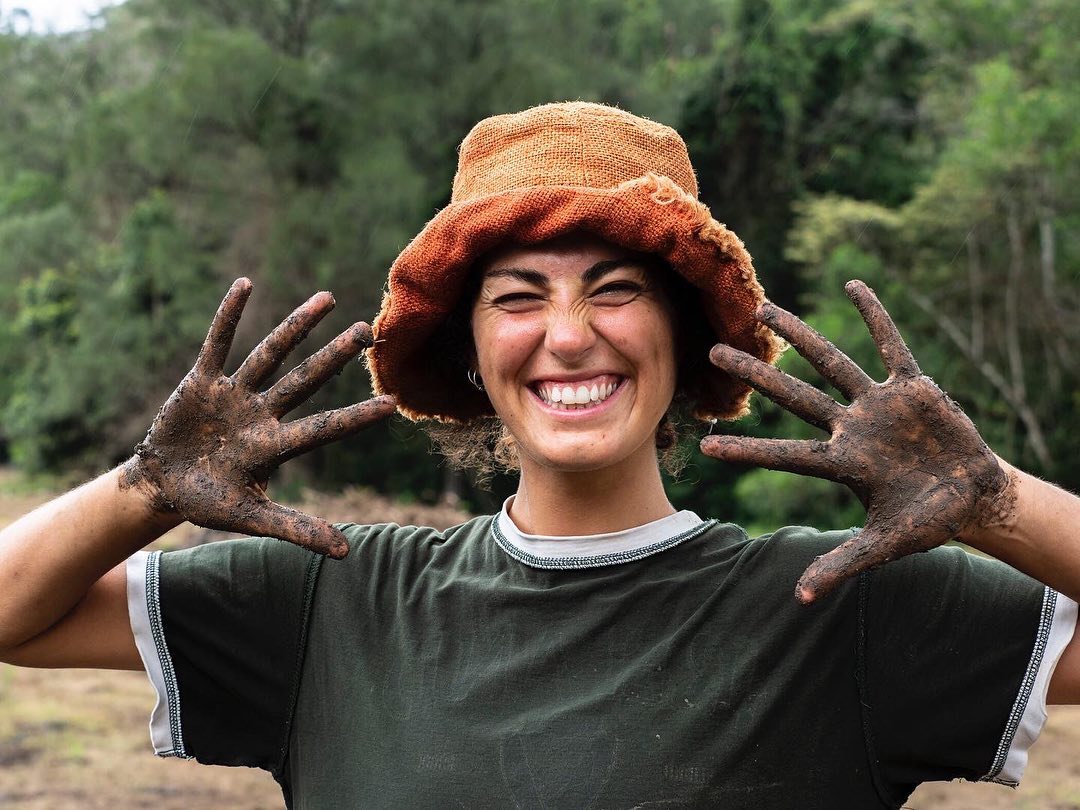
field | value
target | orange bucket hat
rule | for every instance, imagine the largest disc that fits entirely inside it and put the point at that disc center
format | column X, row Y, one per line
column 539, row 174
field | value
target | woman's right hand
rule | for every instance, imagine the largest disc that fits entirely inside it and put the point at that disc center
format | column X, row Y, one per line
column 216, row 440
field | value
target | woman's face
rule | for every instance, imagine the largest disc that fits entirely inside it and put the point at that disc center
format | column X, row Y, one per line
column 575, row 344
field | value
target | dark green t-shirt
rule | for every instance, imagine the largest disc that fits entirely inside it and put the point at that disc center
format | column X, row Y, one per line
column 435, row 669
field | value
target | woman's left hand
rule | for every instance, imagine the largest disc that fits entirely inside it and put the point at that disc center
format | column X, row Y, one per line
column 909, row 453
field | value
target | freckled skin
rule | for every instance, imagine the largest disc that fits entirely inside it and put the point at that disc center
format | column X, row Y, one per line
column 215, row 441
column 567, row 325
column 909, row 453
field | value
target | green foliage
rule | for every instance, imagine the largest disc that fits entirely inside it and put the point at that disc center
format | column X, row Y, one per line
column 978, row 264
column 804, row 98
column 95, row 332
column 928, row 149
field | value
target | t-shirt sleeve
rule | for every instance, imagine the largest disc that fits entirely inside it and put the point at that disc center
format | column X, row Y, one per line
column 955, row 655
column 221, row 629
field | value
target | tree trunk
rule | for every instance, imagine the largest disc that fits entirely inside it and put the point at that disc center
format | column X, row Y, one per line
column 453, row 486
column 1048, row 268
column 1019, row 405
column 1013, row 281
column 975, row 288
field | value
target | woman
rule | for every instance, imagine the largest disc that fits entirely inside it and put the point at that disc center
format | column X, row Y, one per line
column 590, row 646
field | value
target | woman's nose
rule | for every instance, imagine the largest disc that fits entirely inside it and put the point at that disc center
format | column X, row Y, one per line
column 569, row 335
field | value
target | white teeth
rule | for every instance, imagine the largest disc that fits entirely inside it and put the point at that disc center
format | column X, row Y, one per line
column 569, row 398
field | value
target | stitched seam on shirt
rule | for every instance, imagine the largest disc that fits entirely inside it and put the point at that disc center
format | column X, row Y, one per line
column 864, row 695
column 592, row 560
column 168, row 673
column 1026, row 685
column 310, row 580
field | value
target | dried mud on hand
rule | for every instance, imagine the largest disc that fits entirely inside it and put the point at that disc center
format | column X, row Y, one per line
column 909, row 453
column 216, row 440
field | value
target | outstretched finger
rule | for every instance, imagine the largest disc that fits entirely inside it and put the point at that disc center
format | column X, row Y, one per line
column 215, row 349
column 271, row 352
column 312, row 374
column 840, row 370
column 269, row 519
column 788, row 455
column 868, row 549
column 895, row 354
column 314, row 431
column 790, row 393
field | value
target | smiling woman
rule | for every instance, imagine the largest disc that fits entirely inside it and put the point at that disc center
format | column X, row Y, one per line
column 575, row 343
column 591, row 645
column 630, row 279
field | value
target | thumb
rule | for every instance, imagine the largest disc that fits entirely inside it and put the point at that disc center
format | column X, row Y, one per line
column 867, row 549
column 269, row 519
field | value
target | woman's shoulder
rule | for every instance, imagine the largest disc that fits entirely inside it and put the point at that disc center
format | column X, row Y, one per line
column 778, row 555
column 379, row 547
column 364, row 535
column 808, row 538
column 787, row 540
column 370, row 545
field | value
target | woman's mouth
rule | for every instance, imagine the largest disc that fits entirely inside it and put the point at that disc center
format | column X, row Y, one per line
column 577, row 395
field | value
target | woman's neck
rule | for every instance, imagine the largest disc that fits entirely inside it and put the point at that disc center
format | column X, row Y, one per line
column 569, row 503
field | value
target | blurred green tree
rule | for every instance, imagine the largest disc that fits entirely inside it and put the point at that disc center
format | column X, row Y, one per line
column 929, row 149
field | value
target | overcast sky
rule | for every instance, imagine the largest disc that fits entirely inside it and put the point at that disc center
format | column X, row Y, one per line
column 55, row 15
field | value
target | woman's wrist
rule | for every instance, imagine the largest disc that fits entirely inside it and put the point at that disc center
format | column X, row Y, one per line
column 998, row 514
column 1001, row 510
column 145, row 502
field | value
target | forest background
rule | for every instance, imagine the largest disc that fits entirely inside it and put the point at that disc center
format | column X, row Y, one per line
column 930, row 148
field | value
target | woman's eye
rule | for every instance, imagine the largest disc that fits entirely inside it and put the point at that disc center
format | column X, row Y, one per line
column 618, row 291
column 516, row 299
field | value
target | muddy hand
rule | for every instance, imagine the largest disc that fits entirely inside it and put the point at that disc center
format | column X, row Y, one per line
column 216, row 440
column 903, row 446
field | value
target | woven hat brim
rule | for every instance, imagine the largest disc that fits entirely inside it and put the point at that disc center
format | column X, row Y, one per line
column 651, row 215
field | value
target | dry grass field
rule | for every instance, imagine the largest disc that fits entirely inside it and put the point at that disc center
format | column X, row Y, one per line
column 79, row 739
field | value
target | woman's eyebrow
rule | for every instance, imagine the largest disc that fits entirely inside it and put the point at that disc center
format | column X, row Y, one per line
column 520, row 273
column 597, row 271
column 601, row 269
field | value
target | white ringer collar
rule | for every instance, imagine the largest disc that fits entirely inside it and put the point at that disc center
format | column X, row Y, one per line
column 594, row 550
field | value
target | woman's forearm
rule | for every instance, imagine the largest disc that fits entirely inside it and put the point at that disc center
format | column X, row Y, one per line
column 51, row 557
column 1037, row 531
column 204, row 459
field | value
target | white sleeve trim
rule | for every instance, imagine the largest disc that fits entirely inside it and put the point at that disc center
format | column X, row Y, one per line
column 144, row 613
column 1056, row 626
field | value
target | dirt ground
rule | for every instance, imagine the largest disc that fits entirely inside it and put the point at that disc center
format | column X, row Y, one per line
column 80, row 739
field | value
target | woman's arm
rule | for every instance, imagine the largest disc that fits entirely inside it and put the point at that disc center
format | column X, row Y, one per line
column 1038, row 532
column 62, row 584
column 916, row 462
column 205, row 459
column 909, row 453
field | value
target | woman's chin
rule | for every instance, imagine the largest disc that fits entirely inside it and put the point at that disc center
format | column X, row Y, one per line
column 588, row 455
